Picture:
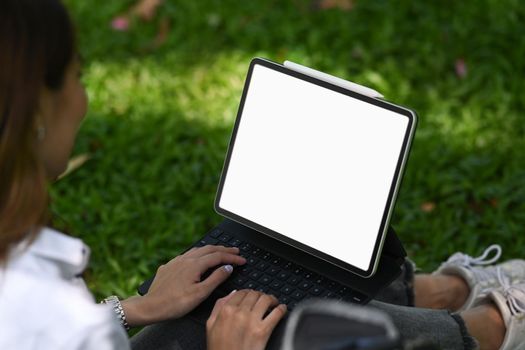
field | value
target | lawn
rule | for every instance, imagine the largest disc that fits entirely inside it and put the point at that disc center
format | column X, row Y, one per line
column 161, row 116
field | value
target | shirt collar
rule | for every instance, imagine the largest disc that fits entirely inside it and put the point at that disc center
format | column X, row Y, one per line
column 70, row 254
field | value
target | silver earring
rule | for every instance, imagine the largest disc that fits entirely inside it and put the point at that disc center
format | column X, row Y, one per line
column 41, row 133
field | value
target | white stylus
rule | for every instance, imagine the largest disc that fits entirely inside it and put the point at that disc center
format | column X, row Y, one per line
column 360, row 89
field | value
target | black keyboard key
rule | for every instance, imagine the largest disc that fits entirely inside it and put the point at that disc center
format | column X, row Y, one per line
column 255, row 275
column 250, row 285
column 327, row 294
column 245, row 270
column 287, row 289
column 319, row 280
column 273, row 270
column 245, row 247
column 262, row 265
column 305, row 285
column 262, row 289
column 358, row 299
column 276, row 261
column 293, row 280
column 288, row 266
column 212, row 241
column 298, row 295
column 216, row 233
column 316, row 290
column 236, row 242
column 251, row 260
column 266, row 256
column 239, row 281
column 309, row 275
column 284, row 299
column 332, row 285
column 276, row 284
column 225, row 237
column 207, row 241
column 297, row 270
column 255, row 251
column 265, row 279
column 343, row 290
column 332, row 295
column 283, row 275
column 291, row 305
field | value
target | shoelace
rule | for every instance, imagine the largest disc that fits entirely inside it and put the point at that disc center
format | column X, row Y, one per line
column 511, row 293
column 470, row 263
column 514, row 294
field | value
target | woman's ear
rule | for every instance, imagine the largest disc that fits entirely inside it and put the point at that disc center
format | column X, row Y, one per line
column 44, row 113
column 40, row 127
column 40, row 132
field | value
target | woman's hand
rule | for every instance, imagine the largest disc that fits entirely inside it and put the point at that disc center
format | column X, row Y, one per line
column 177, row 288
column 237, row 322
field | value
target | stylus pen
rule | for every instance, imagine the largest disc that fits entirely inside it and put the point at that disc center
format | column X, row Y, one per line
column 360, row 89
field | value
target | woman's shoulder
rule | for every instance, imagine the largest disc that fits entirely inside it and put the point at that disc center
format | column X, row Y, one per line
column 49, row 312
column 42, row 301
column 49, row 299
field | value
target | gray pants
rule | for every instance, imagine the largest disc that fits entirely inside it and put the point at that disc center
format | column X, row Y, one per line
column 444, row 329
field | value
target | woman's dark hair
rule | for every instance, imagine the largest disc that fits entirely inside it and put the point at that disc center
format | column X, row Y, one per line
column 37, row 45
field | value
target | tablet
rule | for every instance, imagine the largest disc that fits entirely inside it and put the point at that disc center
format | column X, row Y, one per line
column 315, row 165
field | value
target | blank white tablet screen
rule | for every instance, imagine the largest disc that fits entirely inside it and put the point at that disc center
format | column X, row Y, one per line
column 313, row 164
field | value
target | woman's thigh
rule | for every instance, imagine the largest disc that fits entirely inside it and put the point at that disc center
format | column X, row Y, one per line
column 181, row 334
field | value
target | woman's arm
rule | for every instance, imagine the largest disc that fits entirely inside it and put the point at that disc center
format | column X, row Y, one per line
column 177, row 288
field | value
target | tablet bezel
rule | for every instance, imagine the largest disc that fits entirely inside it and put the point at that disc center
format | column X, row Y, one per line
column 398, row 175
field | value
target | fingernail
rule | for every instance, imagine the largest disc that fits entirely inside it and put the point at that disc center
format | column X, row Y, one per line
column 233, row 291
column 228, row 268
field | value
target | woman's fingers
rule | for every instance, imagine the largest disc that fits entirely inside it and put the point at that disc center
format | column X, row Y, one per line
column 264, row 303
column 217, row 277
column 218, row 306
column 219, row 258
column 237, row 297
column 250, row 299
column 275, row 316
column 208, row 249
column 236, row 321
column 211, row 256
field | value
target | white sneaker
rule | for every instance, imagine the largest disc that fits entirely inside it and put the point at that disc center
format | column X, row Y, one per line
column 480, row 278
column 510, row 300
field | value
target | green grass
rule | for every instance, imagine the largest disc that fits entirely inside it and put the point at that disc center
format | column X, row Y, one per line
column 160, row 120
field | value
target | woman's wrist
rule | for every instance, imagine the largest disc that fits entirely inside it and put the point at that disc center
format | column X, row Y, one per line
column 138, row 311
column 114, row 302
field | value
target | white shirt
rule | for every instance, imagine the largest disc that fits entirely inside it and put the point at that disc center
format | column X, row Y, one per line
column 43, row 305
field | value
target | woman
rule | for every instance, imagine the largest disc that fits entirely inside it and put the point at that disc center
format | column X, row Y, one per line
column 42, row 102
column 43, row 302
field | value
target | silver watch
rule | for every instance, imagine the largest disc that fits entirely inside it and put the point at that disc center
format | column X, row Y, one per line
column 119, row 311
